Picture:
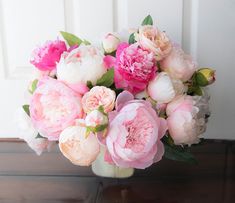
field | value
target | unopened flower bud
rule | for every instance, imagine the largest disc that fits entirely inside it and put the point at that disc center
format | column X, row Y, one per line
column 205, row 76
column 96, row 121
column 110, row 43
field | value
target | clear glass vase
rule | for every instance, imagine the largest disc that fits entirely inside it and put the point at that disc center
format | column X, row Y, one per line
column 104, row 169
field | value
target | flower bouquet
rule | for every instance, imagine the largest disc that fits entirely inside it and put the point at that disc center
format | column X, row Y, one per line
column 120, row 106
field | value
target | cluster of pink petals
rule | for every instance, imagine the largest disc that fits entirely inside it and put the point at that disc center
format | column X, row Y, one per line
column 134, row 67
column 45, row 57
column 134, row 134
column 183, row 122
column 54, row 106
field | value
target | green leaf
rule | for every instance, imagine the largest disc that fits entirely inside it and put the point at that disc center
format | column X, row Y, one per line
column 198, row 91
column 195, row 90
column 71, row 39
column 26, row 109
column 39, row 136
column 168, row 140
column 86, row 42
column 201, row 79
column 101, row 109
column 178, row 154
column 99, row 128
column 89, row 84
column 148, row 20
column 33, row 86
column 132, row 38
column 107, row 79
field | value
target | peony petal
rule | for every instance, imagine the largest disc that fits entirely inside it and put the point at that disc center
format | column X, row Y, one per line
column 109, row 61
column 79, row 88
column 108, row 157
column 120, row 48
column 123, row 98
column 160, row 152
column 163, row 128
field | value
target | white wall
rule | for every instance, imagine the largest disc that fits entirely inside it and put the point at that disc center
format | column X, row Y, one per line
column 205, row 28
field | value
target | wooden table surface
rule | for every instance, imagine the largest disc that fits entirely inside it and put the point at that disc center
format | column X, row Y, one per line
column 51, row 178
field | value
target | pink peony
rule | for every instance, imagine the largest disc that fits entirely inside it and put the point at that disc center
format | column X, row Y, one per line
column 154, row 40
column 134, row 134
column 186, row 121
column 54, row 107
column 179, row 65
column 45, row 57
column 134, row 68
column 99, row 96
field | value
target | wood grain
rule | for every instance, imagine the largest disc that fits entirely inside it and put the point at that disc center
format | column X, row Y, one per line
column 51, row 178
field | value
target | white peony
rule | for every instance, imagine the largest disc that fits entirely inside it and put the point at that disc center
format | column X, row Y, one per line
column 82, row 64
column 163, row 89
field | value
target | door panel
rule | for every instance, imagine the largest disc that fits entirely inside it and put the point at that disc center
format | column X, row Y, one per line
column 205, row 28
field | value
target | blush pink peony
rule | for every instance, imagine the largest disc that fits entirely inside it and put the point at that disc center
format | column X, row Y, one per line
column 81, row 149
column 134, row 134
column 154, row 40
column 134, row 67
column 54, row 107
column 45, row 57
column 179, row 65
column 99, row 96
column 185, row 120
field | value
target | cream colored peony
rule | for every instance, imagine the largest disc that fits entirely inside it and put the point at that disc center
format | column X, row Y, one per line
column 153, row 40
column 81, row 149
column 163, row 89
column 82, row 64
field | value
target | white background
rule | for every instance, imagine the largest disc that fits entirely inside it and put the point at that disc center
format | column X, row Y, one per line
column 205, row 28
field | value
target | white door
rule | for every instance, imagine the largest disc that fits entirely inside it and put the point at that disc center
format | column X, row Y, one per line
column 205, row 28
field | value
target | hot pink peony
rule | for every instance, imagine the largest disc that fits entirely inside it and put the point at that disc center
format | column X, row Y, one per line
column 45, row 57
column 54, row 107
column 134, row 134
column 134, row 67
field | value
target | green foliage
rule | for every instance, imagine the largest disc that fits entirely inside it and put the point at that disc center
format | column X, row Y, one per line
column 71, row 39
column 96, row 129
column 201, row 79
column 132, row 38
column 107, row 79
column 177, row 153
column 33, row 86
column 89, row 84
column 195, row 90
column 86, row 42
column 148, row 20
column 26, row 109
column 39, row 136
